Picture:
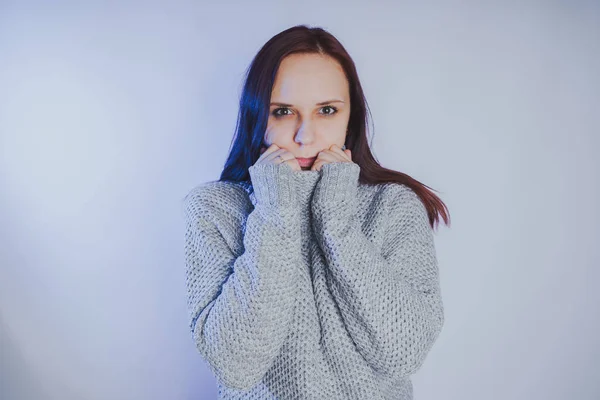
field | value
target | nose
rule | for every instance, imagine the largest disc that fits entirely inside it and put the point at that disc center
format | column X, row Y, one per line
column 306, row 132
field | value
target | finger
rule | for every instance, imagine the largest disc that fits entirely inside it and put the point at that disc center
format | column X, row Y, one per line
column 338, row 151
column 275, row 154
column 319, row 163
column 335, row 154
column 346, row 154
column 272, row 148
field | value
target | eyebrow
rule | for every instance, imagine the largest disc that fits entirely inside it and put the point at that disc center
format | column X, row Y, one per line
column 319, row 104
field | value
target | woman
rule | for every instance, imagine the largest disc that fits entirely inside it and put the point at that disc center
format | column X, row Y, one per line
column 311, row 269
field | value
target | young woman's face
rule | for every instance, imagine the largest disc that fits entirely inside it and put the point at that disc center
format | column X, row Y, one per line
column 310, row 105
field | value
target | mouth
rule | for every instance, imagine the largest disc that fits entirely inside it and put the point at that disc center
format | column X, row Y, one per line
column 306, row 162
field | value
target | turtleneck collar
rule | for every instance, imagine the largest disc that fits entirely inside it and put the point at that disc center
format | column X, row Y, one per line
column 304, row 183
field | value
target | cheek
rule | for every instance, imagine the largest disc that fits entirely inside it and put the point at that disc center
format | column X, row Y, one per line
column 279, row 128
column 334, row 130
column 288, row 121
column 277, row 131
column 293, row 123
column 337, row 124
column 328, row 129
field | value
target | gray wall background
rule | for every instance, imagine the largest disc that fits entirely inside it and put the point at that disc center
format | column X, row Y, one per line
column 110, row 112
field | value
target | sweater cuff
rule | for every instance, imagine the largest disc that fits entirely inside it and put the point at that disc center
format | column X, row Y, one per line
column 273, row 184
column 338, row 184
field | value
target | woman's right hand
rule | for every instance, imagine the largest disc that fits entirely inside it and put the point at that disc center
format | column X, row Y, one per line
column 271, row 155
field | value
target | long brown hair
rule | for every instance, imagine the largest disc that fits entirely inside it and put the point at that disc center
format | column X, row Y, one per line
column 254, row 113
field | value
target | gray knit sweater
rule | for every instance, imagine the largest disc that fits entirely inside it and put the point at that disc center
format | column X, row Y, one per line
column 311, row 285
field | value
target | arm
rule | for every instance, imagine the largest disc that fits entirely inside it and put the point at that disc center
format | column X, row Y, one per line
column 241, row 306
column 390, row 300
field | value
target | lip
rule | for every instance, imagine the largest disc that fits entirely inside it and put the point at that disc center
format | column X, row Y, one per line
column 305, row 162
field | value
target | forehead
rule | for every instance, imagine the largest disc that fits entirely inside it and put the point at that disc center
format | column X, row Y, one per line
column 309, row 79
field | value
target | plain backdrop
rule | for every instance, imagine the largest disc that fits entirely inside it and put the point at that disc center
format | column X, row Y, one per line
column 110, row 112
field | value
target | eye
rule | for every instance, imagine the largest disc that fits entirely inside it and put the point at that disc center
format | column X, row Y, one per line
column 276, row 113
column 332, row 108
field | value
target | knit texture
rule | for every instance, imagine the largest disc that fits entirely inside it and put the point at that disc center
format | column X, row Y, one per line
column 310, row 285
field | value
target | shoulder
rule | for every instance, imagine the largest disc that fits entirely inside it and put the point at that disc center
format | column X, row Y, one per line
column 407, row 212
column 393, row 194
column 216, row 197
column 390, row 200
column 403, row 202
column 403, row 194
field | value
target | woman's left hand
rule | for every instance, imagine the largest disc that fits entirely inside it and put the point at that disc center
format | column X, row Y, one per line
column 334, row 154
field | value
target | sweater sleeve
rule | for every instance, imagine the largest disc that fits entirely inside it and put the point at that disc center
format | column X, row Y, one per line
column 241, row 306
column 389, row 299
